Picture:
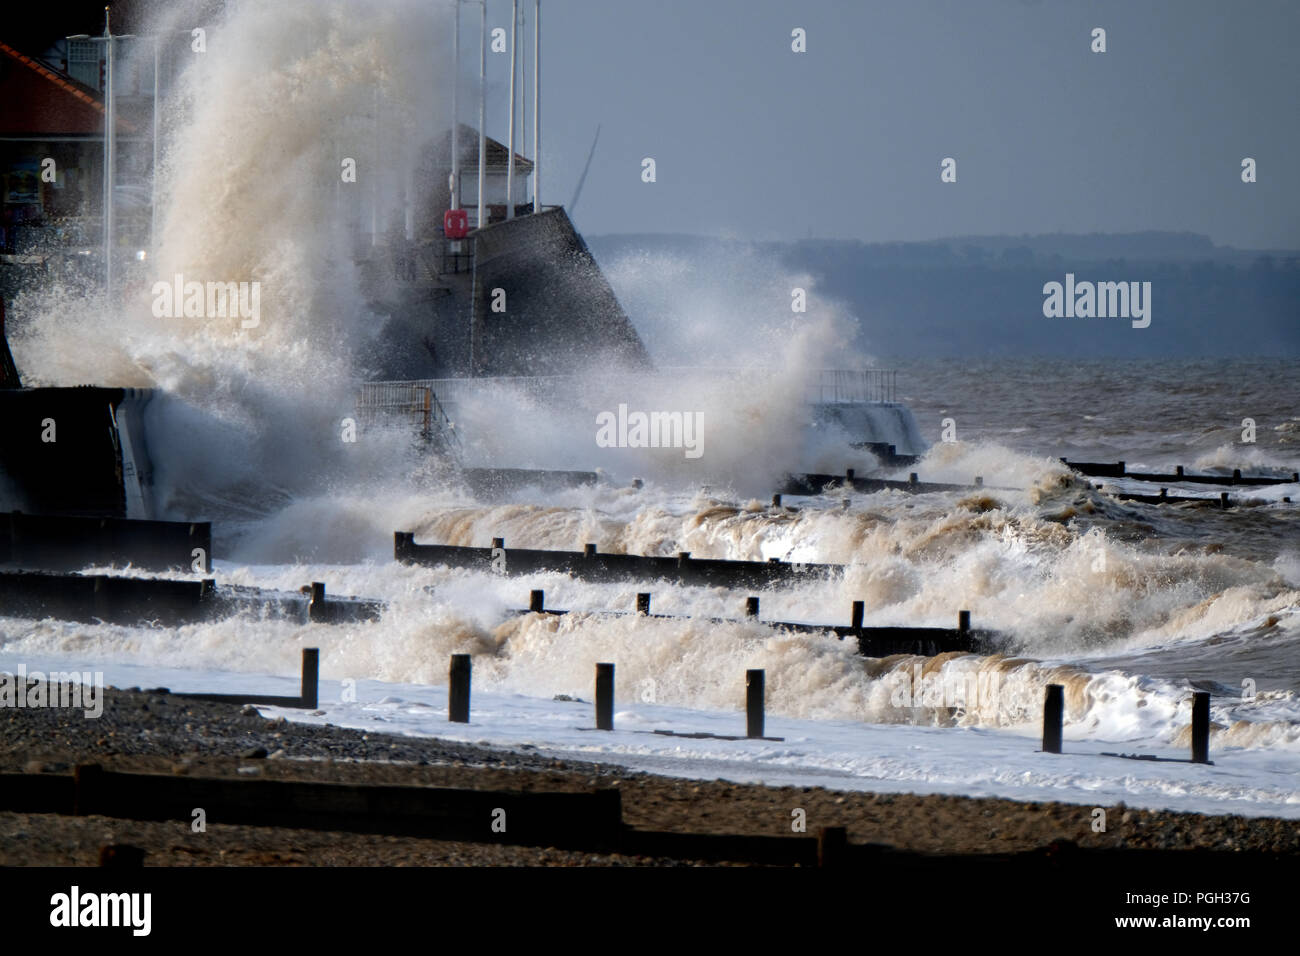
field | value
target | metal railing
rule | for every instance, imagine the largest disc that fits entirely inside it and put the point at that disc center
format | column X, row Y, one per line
column 405, row 403
column 827, row 386
column 457, row 255
column 837, row 386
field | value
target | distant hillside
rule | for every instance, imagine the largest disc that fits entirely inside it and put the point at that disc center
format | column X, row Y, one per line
column 984, row 294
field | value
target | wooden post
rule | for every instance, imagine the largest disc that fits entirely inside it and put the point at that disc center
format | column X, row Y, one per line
column 754, row 703
column 911, row 478
column 604, row 696
column 858, row 608
column 848, row 476
column 682, row 558
column 310, row 676
column 776, row 501
column 316, row 607
column 963, row 621
column 643, row 602
column 588, row 550
column 832, row 846
column 1164, row 492
column 458, row 690
column 499, row 543
column 1223, row 499
column 751, row 607
column 1200, row 727
column 1236, row 475
column 403, row 545
column 1121, row 467
column 1053, row 718
column 537, row 601
column 1179, row 471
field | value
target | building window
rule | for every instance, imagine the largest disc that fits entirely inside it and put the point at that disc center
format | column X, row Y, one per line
column 83, row 62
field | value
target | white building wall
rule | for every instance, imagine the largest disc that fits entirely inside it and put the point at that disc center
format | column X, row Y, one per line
column 494, row 188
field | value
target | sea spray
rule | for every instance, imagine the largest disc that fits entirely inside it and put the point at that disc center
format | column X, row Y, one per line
column 251, row 198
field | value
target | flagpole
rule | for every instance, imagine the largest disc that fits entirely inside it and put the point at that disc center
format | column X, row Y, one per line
column 455, row 117
column 537, row 100
column 482, row 110
column 510, row 147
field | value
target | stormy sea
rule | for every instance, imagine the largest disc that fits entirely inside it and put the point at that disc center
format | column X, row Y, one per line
column 1130, row 606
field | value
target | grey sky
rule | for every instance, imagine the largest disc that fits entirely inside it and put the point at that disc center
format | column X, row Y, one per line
column 755, row 141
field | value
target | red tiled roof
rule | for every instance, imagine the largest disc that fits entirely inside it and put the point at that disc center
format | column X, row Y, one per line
column 61, row 107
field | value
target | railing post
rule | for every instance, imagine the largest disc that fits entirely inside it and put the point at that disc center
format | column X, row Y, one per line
column 458, row 689
column 1053, row 718
column 537, row 601
column 604, row 696
column 643, row 602
column 963, row 621
column 858, row 609
column 751, row 607
column 754, row 703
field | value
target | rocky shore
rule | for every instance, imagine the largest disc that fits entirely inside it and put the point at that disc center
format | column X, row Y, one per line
column 154, row 732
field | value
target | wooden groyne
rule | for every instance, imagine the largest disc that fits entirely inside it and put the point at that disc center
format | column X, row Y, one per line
column 588, row 820
column 167, row 602
column 592, row 565
column 817, row 484
column 872, row 641
column 1119, row 469
column 432, row 812
column 504, row 481
column 307, row 697
column 70, row 542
